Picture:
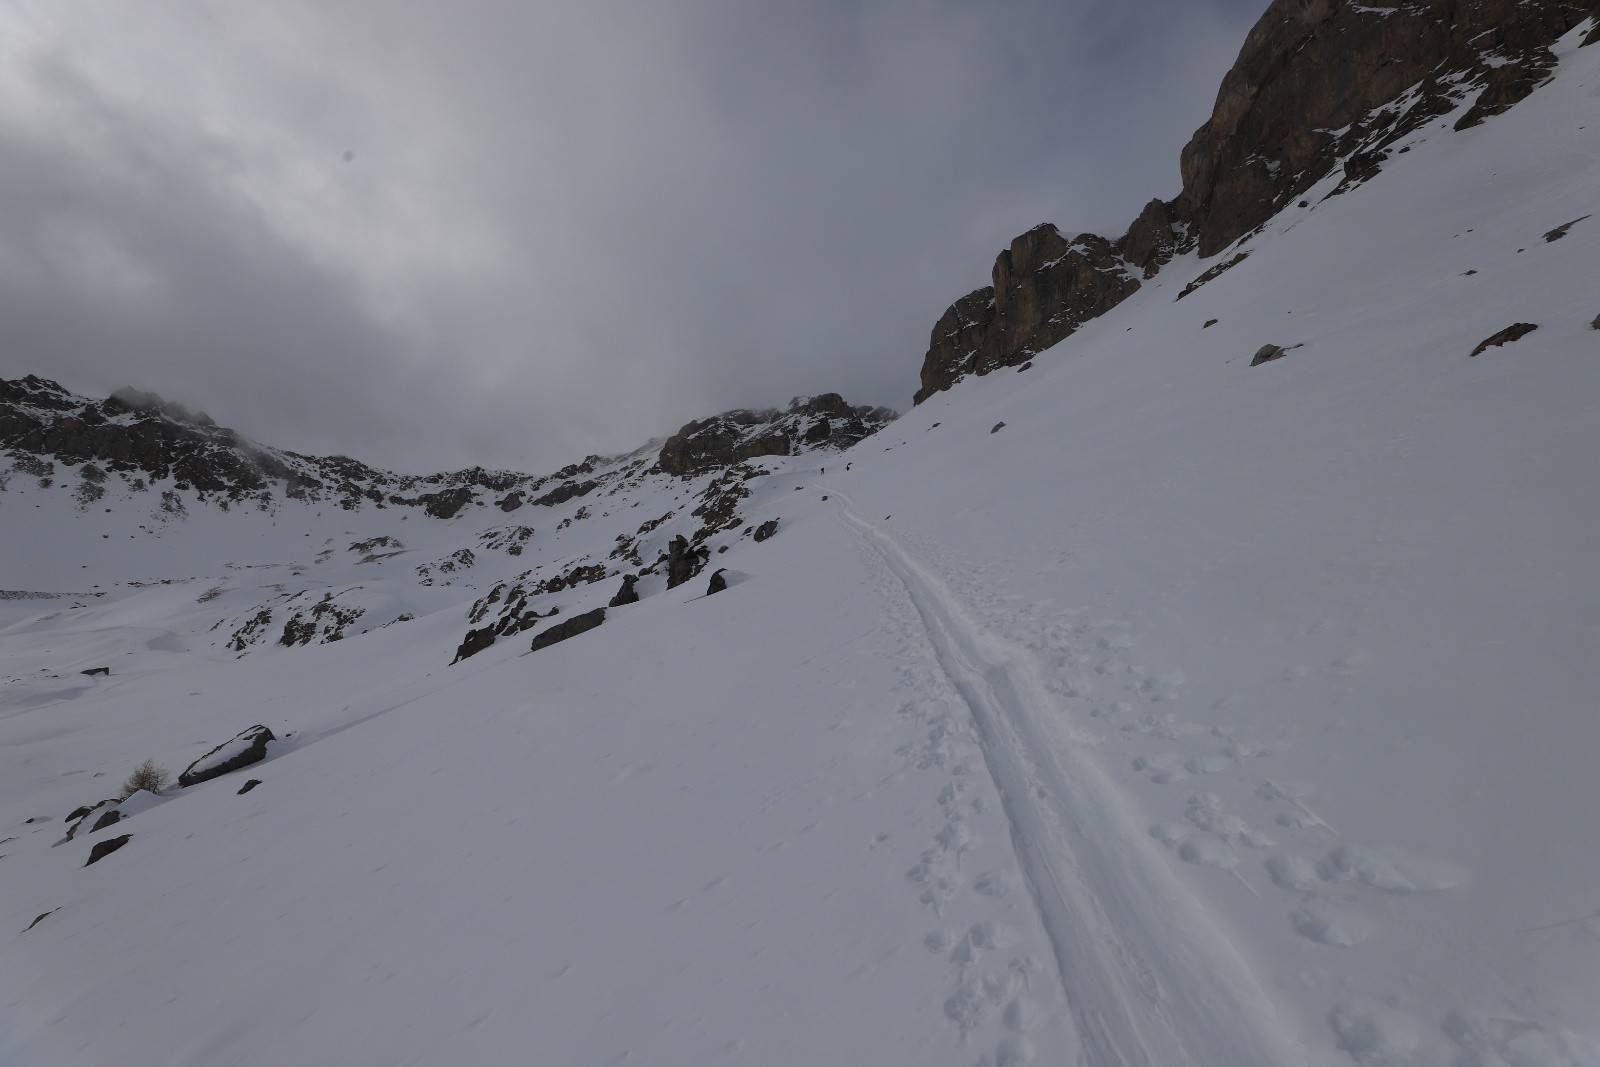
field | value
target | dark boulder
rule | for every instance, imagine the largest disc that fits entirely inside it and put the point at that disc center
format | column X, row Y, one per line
column 475, row 641
column 510, row 503
column 92, row 671
column 1514, row 332
column 718, row 582
column 627, row 594
column 683, row 562
column 766, row 530
column 251, row 784
column 103, row 849
column 1268, row 353
column 110, row 818
column 246, row 747
column 570, row 628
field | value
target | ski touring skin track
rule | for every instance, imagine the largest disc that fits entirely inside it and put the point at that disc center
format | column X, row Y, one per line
column 1150, row 979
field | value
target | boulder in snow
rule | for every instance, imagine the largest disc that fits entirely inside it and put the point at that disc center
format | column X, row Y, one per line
column 247, row 747
column 1515, row 332
column 106, row 848
column 571, row 628
column 627, row 594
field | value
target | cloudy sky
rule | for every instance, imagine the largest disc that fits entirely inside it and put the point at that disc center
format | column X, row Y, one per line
column 512, row 232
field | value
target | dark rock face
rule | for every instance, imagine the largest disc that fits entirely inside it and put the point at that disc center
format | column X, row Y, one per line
column 1044, row 288
column 110, row 818
column 1514, row 332
column 570, row 628
column 1307, row 68
column 244, row 748
column 475, row 641
column 683, row 562
column 509, row 503
column 627, row 594
column 766, row 530
column 565, row 492
column 1151, row 240
column 103, row 849
column 1313, row 66
column 718, row 582
column 445, row 504
column 733, row 437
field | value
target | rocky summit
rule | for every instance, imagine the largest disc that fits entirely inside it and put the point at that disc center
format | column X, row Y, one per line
column 1320, row 86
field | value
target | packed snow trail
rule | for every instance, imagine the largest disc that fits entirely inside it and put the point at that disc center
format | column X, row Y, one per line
column 1150, row 979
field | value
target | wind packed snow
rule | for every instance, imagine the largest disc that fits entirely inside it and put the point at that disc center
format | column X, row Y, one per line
column 1203, row 714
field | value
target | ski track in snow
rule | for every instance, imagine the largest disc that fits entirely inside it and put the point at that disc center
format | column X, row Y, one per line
column 1148, row 977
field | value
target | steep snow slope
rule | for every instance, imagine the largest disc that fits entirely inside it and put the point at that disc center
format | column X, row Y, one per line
column 1200, row 713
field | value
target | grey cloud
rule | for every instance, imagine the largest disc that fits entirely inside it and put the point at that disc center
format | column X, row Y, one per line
column 560, row 230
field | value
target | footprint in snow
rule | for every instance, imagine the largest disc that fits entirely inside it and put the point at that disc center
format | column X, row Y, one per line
column 1294, row 873
column 1331, row 924
column 1390, row 868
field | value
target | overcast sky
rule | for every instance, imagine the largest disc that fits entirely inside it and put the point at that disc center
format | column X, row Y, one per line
column 510, row 233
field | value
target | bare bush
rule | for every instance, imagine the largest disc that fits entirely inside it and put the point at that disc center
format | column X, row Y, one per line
column 148, row 775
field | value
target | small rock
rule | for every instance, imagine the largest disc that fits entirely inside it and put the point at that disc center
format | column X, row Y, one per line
column 718, row 582
column 251, row 784
column 1208, row 324
column 1561, row 231
column 1595, row 325
column 92, row 671
column 770, row 527
column 1268, row 353
column 106, row 848
column 997, row 427
column 110, row 818
column 1514, row 332
column 41, row 918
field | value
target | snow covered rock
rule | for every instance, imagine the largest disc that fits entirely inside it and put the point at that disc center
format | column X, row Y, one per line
column 247, row 747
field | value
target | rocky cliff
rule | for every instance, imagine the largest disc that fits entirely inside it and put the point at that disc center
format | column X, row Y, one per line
column 1318, row 85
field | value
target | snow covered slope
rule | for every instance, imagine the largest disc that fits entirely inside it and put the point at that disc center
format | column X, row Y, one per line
column 1146, row 707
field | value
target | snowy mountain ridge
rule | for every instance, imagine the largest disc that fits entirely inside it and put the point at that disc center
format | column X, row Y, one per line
column 1215, row 689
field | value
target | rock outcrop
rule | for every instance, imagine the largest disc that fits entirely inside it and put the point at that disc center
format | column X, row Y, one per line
column 572, row 627
column 1318, row 85
column 823, row 421
column 1044, row 288
column 1321, row 81
column 243, row 749
column 627, row 594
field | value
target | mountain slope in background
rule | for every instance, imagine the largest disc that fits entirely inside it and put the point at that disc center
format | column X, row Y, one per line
column 1149, row 706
